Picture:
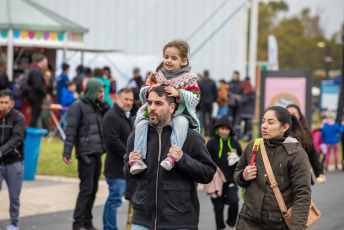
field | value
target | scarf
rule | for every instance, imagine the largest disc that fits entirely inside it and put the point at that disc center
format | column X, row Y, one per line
column 173, row 74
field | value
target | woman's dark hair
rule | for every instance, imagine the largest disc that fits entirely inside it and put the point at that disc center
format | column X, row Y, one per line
column 302, row 120
column 295, row 129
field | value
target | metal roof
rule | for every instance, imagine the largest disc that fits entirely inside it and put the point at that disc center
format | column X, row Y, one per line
column 26, row 15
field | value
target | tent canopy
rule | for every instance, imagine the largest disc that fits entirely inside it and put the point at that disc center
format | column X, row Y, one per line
column 26, row 15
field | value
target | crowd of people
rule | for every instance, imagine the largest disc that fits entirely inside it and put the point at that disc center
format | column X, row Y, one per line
column 235, row 99
column 155, row 153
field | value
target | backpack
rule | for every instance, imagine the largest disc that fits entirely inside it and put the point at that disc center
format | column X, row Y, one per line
column 22, row 87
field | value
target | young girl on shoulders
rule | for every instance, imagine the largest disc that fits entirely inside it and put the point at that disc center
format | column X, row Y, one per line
column 174, row 73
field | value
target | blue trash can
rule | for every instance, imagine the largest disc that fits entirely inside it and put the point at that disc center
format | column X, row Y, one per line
column 31, row 151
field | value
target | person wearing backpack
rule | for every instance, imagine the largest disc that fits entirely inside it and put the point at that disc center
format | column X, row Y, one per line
column 37, row 89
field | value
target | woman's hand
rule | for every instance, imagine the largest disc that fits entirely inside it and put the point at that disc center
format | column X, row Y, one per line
column 172, row 91
column 250, row 172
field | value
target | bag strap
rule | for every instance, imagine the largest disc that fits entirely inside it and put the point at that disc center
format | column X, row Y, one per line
column 273, row 183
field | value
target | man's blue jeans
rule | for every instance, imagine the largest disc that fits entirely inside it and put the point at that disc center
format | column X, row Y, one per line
column 116, row 191
column 13, row 174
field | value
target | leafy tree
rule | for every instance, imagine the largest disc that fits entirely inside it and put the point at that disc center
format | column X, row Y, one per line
column 297, row 38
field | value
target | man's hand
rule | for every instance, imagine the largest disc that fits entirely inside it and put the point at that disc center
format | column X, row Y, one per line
column 0, row 154
column 68, row 161
column 134, row 156
column 175, row 152
column 250, row 172
column 172, row 91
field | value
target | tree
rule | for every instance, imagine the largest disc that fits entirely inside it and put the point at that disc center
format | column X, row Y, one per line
column 297, row 38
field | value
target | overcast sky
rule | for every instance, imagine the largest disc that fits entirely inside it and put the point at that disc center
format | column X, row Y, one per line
column 331, row 12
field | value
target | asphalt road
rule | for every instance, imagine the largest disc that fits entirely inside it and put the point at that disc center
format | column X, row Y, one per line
column 328, row 197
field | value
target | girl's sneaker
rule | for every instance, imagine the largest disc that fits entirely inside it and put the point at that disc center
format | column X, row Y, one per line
column 168, row 163
column 12, row 227
column 137, row 167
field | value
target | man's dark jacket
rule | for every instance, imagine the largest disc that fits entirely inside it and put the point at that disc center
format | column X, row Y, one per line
column 168, row 199
column 84, row 128
column 208, row 90
column 12, row 134
column 117, row 128
column 37, row 87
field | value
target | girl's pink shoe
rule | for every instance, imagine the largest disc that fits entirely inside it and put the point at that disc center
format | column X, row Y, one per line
column 168, row 163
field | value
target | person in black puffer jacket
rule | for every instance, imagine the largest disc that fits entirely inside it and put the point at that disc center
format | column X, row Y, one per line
column 85, row 132
column 167, row 199
column 12, row 134
column 222, row 144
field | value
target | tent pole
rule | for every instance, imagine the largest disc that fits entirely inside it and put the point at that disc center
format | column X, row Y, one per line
column 65, row 46
column 10, row 55
column 82, row 57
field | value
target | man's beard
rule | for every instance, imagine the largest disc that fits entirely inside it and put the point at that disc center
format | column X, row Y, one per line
column 159, row 119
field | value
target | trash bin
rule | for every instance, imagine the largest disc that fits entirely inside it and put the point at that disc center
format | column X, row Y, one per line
column 31, row 151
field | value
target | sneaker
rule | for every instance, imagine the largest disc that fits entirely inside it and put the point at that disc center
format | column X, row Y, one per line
column 12, row 227
column 168, row 163
column 137, row 167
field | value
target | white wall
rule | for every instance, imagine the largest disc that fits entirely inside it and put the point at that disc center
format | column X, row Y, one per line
column 216, row 30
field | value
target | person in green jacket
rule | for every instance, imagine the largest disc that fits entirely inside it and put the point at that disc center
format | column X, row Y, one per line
column 290, row 166
column 98, row 74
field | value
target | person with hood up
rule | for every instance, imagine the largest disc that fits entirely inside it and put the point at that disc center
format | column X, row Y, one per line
column 225, row 151
column 85, row 132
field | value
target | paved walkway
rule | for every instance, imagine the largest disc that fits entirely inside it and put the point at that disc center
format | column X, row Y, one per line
column 48, row 194
column 48, row 203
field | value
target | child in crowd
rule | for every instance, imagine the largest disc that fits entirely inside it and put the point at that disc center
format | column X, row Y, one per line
column 174, row 72
column 69, row 94
column 225, row 151
column 329, row 134
column 222, row 98
column 18, row 100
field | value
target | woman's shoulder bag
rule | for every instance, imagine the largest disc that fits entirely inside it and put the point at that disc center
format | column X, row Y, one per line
column 313, row 215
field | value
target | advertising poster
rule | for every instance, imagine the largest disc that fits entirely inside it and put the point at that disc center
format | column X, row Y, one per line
column 281, row 88
column 284, row 91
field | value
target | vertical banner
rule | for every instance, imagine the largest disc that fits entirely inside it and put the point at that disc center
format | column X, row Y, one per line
column 273, row 49
column 281, row 88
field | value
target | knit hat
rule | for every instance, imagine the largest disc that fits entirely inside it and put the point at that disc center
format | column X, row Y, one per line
column 93, row 87
column 224, row 121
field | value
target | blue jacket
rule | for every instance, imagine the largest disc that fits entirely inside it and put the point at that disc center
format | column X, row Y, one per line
column 330, row 133
column 61, row 83
column 67, row 97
